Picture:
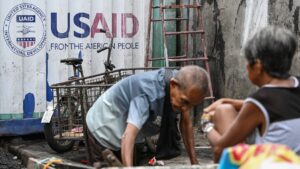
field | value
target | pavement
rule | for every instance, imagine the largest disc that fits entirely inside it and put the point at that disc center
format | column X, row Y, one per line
column 35, row 152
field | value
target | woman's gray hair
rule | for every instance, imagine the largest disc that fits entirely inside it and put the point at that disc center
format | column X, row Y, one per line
column 275, row 47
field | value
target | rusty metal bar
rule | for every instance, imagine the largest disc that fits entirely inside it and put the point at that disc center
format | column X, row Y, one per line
column 184, row 32
column 170, row 19
column 148, row 35
column 176, row 6
column 187, row 35
column 187, row 59
column 170, row 57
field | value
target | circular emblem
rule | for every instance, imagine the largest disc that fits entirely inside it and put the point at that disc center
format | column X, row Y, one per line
column 24, row 29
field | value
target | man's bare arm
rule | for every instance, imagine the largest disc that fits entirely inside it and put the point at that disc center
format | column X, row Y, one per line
column 127, row 144
column 186, row 128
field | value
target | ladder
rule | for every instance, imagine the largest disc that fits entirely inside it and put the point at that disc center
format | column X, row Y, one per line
column 187, row 34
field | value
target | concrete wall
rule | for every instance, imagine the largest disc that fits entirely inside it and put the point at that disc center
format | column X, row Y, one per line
column 287, row 14
column 228, row 24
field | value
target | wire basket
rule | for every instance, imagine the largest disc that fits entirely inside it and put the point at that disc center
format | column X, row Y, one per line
column 73, row 98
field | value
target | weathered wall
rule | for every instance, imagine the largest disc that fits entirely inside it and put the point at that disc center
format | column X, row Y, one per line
column 287, row 14
column 228, row 24
column 224, row 20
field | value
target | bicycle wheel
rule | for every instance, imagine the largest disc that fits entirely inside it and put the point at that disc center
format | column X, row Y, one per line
column 58, row 124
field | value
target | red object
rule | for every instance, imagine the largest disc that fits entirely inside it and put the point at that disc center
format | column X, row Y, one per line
column 152, row 161
column 83, row 161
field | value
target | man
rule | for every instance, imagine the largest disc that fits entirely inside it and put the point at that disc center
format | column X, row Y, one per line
column 119, row 117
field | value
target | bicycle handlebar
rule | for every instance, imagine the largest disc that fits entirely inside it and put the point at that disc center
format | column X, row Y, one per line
column 100, row 50
column 107, row 64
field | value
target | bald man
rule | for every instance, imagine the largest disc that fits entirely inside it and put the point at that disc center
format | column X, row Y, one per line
column 119, row 117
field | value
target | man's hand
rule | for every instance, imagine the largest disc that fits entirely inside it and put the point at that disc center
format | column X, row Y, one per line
column 127, row 144
column 211, row 108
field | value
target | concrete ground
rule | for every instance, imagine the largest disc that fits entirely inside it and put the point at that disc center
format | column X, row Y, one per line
column 38, row 148
column 203, row 152
column 9, row 161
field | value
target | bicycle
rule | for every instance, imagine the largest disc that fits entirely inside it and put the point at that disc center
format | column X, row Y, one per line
column 65, row 126
column 67, row 111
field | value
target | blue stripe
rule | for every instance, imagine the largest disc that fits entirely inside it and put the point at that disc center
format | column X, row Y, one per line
column 20, row 127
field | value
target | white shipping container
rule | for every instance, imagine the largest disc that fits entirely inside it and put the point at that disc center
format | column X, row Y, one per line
column 37, row 34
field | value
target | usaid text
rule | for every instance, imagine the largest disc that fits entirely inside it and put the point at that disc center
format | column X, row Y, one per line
column 127, row 29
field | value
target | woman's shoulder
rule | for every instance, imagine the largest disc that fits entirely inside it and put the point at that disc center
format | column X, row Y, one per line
column 261, row 93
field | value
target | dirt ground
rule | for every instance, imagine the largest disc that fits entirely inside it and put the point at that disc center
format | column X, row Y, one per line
column 203, row 152
column 9, row 161
column 202, row 148
column 39, row 147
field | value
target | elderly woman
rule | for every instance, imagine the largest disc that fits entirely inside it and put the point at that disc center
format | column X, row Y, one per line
column 272, row 113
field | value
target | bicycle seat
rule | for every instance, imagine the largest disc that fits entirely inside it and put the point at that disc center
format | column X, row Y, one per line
column 71, row 61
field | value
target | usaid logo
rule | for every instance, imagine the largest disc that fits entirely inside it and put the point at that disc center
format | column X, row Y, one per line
column 25, row 18
column 24, row 29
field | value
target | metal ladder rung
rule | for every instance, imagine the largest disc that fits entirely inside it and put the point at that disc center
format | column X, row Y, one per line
column 155, row 7
column 187, row 59
column 184, row 32
column 170, row 57
column 180, row 6
column 170, row 19
column 177, row 6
